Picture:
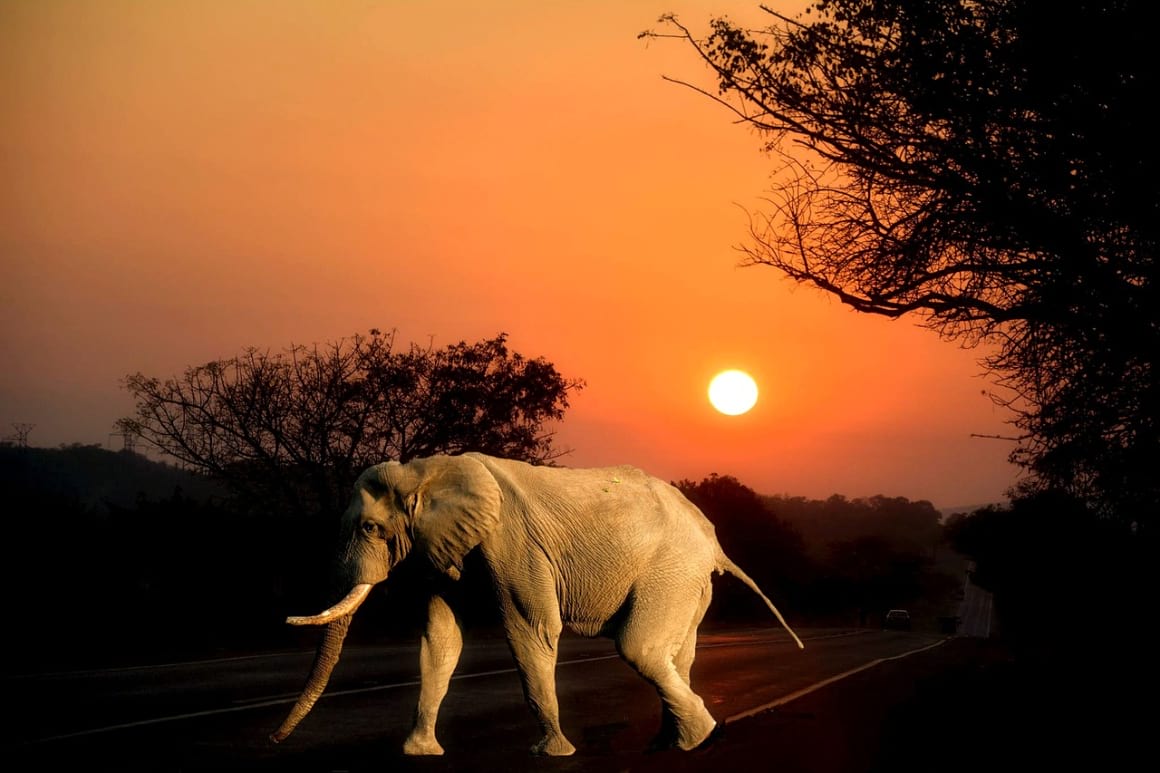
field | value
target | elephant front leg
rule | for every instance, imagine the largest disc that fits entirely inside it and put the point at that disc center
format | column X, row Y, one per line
column 534, row 648
column 438, row 655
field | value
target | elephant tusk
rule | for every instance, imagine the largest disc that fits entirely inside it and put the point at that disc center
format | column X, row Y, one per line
column 345, row 607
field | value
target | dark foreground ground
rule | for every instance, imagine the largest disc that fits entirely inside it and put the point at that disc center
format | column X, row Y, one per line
column 968, row 705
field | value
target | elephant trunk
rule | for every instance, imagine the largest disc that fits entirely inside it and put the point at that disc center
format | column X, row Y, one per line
column 337, row 620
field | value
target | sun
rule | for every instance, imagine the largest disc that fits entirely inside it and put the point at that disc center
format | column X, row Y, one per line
column 733, row 392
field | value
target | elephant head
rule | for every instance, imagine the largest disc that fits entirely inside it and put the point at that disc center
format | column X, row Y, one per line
column 443, row 506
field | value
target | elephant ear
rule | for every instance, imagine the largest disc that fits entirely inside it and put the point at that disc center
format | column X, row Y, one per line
column 453, row 506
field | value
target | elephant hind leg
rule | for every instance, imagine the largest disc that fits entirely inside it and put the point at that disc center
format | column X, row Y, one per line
column 688, row 651
column 666, row 661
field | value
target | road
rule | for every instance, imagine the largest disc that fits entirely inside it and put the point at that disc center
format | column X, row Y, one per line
column 771, row 698
column 976, row 611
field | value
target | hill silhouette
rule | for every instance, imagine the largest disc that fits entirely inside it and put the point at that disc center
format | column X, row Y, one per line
column 95, row 478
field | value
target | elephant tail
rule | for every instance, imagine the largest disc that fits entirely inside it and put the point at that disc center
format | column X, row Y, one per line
column 728, row 566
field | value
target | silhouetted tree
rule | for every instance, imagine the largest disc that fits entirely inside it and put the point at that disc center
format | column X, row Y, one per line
column 767, row 548
column 1059, row 577
column 292, row 429
column 991, row 167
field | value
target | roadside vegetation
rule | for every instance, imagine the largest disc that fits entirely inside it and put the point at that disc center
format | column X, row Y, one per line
column 115, row 558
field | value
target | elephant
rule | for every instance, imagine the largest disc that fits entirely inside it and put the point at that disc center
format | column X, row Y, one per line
column 608, row 552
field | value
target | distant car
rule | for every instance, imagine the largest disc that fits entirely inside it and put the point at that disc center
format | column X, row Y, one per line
column 897, row 620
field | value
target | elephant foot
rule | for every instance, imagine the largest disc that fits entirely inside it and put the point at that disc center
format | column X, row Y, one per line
column 696, row 733
column 665, row 741
column 713, row 737
column 420, row 744
column 554, row 746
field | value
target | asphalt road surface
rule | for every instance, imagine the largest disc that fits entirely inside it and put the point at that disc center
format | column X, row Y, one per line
column 853, row 700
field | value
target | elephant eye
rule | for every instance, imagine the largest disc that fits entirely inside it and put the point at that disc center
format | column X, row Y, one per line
column 370, row 528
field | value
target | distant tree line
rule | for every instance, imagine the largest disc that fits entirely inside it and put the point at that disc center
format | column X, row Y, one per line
column 164, row 561
column 140, row 559
column 839, row 560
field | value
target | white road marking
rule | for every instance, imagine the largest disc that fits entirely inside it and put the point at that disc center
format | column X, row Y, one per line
column 283, row 700
column 793, row 696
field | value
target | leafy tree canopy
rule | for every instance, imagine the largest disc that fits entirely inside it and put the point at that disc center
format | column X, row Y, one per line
column 990, row 166
column 293, row 428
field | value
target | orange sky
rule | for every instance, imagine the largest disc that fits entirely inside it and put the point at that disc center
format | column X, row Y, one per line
column 187, row 178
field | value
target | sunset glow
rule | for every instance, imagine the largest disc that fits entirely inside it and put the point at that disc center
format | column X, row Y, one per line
column 733, row 392
column 185, row 179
